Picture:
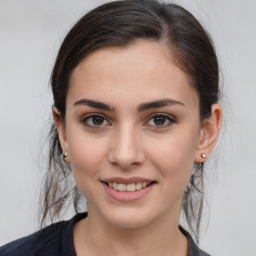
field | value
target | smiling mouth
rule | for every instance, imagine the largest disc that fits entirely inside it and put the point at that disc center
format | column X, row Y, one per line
column 132, row 187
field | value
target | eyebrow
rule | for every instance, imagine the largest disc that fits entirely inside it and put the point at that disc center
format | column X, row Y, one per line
column 158, row 104
column 142, row 107
column 94, row 104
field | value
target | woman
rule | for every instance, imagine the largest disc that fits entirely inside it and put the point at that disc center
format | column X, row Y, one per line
column 136, row 114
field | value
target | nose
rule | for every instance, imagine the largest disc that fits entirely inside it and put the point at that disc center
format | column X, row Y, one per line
column 126, row 150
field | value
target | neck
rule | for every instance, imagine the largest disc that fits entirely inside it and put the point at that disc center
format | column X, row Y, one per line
column 94, row 235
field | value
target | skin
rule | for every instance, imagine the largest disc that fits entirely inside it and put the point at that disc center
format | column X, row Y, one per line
column 127, row 143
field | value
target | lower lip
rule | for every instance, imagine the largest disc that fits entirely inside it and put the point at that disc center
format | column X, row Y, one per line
column 125, row 196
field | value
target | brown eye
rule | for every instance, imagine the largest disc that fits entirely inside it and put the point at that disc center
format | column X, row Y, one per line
column 159, row 120
column 97, row 120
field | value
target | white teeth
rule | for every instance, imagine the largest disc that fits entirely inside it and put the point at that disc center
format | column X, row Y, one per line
column 115, row 186
column 128, row 187
column 138, row 186
column 121, row 187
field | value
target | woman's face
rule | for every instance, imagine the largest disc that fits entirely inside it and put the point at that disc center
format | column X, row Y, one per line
column 132, row 120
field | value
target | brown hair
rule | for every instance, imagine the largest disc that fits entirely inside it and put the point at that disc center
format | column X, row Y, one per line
column 121, row 23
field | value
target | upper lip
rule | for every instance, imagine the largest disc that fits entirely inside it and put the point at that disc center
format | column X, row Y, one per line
column 127, row 180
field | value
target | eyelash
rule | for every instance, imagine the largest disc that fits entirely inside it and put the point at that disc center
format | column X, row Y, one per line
column 85, row 119
column 167, row 117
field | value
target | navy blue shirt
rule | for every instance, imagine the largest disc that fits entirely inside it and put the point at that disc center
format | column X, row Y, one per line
column 57, row 240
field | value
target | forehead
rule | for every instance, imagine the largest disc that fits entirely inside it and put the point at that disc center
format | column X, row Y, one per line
column 143, row 71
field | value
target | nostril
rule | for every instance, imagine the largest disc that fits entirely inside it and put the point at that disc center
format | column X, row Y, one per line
column 125, row 151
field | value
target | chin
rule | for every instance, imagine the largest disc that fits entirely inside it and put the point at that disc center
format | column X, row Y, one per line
column 128, row 223
column 128, row 219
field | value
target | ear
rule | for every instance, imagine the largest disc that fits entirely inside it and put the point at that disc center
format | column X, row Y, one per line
column 208, row 134
column 61, row 132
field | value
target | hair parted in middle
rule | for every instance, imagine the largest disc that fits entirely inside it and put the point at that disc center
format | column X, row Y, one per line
column 120, row 24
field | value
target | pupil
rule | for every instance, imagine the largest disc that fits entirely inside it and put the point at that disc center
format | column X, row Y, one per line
column 159, row 120
column 97, row 120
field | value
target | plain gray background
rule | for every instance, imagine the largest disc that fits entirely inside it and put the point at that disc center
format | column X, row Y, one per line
column 30, row 35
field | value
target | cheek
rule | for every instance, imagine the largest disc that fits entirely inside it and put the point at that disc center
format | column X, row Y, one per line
column 173, row 156
column 86, row 160
column 87, row 155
